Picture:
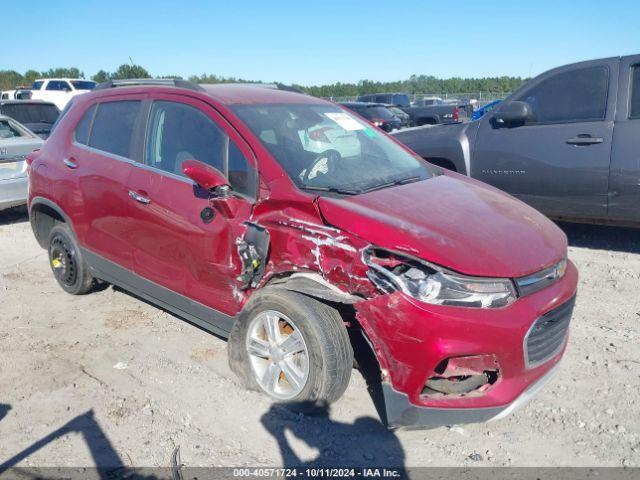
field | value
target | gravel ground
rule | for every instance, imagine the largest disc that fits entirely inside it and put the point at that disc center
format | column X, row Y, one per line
column 109, row 379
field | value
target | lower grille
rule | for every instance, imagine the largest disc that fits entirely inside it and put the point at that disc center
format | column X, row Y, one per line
column 545, row 337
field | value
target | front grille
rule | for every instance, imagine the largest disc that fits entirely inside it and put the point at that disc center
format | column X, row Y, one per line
column 546, row 336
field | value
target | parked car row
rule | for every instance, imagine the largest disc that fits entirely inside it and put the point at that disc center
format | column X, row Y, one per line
column 426, row 111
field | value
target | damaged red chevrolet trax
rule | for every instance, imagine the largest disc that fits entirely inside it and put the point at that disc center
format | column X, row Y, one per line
column 292, row 227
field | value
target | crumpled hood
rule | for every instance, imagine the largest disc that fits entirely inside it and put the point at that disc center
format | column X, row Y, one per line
column 453, row 221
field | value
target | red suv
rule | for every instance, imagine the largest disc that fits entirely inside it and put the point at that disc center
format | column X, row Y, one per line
column 289, row 225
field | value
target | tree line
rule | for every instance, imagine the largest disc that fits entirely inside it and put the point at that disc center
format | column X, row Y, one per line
column 416, row 84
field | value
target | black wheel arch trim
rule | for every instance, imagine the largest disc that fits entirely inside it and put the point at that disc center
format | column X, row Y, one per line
column 55, row 207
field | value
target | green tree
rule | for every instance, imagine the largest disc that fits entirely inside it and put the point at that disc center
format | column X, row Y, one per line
column 100, row 76
column 72, row 72
column 10, row 79
column 30, row 76
column 126, row 71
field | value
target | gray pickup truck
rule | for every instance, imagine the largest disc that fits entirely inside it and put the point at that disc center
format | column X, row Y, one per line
column 433, row 112
column 567, row 142
column 429, row 111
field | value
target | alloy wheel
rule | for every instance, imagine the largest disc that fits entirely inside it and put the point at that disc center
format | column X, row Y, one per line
column 278, row 354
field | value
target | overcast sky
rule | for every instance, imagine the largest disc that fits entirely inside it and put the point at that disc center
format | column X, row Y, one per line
column 318, row 42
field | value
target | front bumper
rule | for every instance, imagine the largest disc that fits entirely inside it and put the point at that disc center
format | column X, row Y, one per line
column 411, row 341
column 400, row 412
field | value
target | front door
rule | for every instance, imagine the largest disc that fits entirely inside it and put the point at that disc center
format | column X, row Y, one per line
column 624, row 204
column 558, row 160
column 184, row 241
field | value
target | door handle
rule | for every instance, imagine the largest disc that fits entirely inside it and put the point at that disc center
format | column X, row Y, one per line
column 584, row 140
column 139, row 198
column 71, row 163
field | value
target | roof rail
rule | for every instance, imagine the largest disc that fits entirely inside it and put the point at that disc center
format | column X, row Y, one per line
column 163, row 82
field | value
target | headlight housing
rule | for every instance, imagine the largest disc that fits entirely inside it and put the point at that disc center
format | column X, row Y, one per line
column 429, row 283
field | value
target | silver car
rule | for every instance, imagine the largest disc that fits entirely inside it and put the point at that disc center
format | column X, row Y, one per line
column 16, row 141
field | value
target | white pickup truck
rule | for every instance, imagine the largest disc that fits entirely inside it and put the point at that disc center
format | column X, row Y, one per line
column 60, row 90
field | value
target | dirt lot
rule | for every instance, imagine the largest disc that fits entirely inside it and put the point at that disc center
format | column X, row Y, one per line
column 107, row 378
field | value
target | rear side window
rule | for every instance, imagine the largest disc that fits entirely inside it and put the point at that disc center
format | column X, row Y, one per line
column 113, row 126
column 572, row 96
column 37, row 85
column 634, row 106
column 83, row 84
column 81, row 133
column 179, row 132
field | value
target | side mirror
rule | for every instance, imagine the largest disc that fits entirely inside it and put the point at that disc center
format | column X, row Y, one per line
column 204, row 175
column 512, row 114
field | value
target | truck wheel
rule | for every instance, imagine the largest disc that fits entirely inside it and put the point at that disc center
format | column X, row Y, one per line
column 67, row 264
column 291, row 347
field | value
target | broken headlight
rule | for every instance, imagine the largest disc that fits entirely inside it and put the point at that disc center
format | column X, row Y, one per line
column 430, row 283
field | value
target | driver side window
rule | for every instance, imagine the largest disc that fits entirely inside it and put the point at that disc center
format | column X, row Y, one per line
column 177, row 132
column 578, row 95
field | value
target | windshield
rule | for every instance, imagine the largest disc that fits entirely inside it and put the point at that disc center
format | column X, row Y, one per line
column 83, row 84
column 30, row 112
column 323, row 147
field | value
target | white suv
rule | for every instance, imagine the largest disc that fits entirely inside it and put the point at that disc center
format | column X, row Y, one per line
column 60, row 90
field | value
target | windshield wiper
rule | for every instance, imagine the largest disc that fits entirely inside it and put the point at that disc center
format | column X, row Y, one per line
column 393, row 183
column 342, row 191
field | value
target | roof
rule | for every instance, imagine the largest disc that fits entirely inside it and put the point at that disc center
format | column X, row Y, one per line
column 231, row 93
column 224, row 93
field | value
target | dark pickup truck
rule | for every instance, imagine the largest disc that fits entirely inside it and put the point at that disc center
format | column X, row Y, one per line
column 438, row 111
column 567, row 142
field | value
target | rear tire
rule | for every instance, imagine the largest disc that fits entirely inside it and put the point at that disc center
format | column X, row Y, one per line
column 320, row 336
column 68, row 267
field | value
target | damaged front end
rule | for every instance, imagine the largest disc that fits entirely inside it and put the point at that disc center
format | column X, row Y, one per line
column 448, row 346
column 253, row 250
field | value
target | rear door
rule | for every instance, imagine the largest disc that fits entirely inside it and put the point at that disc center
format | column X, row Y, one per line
column 186, row 258
column 558, row 161
column 100, row 161
column 624, row 204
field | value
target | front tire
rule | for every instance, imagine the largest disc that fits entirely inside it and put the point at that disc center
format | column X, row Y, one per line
column 293, row 348
column 68, row 267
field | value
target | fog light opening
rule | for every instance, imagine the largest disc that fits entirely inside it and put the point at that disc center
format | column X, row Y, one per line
column 463, row 376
